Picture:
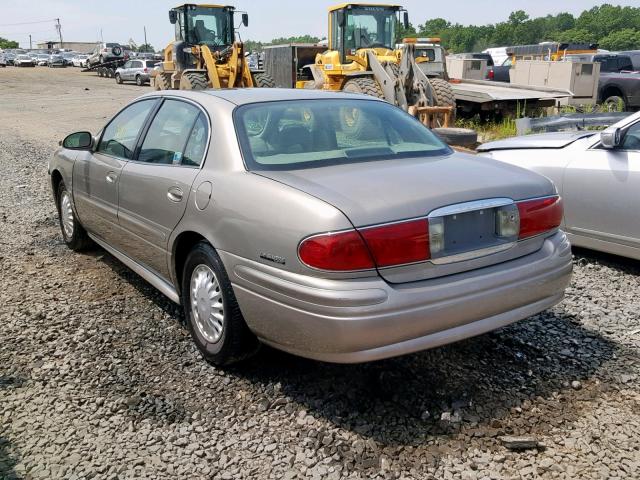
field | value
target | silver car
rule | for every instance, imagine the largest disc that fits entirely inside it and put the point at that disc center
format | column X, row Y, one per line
column 105, row 52
column 598, row 176
column 136, row 70
column 329, row 225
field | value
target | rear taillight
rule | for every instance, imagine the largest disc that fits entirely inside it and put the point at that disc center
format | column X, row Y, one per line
column 379, row 246
column 342, row 251
column 145, row 70
column 398, row 243
column 491, row 74
column 539, row 215
column 415, row 241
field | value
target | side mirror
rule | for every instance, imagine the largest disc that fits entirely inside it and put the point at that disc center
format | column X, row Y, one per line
column 78, row 141
column 245, row 19
column 340, row 18
column 173, row 17
column 611, row 138
column 406, row 19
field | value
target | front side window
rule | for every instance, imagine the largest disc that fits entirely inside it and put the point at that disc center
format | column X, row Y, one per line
column 119, row 137
column 298, row 134
column 631, row 139
column 369, row 27
column 168, row 134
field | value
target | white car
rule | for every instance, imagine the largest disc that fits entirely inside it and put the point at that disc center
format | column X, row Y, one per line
column 597, row 176
column 3, row 60
column 80, row 60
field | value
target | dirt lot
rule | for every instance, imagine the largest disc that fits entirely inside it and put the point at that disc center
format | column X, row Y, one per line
column 99, row 379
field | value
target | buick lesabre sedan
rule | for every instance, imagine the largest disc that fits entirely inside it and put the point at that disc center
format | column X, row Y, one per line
column 329, row 225
column 598, row 176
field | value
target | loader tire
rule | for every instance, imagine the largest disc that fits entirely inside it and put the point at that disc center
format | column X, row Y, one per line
column 444, row 95
column 365, row 85
column 351, row 122
column 194, row 81
column 263, row 80
column 162, row 81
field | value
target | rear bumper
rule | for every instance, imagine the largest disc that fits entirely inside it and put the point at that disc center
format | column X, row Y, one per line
column 350, row 321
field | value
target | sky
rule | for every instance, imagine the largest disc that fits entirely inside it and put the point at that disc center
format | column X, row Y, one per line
column 121, row 20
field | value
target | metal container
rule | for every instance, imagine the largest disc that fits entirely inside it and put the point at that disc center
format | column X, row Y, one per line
column 285, row 63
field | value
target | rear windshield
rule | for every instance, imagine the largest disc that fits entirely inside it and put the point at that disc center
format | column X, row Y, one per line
column 290, row 135
column 150, row 63
column 111, row 45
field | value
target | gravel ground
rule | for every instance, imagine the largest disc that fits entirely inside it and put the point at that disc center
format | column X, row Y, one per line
column 99, row 378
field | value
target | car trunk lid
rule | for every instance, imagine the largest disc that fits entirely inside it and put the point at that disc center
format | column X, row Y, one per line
column 380, row 192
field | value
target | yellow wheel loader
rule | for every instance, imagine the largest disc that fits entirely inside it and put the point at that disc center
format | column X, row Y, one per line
column 362, row 57
column 205, row 53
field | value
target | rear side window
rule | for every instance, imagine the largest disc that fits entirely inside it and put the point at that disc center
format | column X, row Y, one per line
column 119, row 137
column 150, row 63
column 137, row 64
column 170, row 130
column 624, row 63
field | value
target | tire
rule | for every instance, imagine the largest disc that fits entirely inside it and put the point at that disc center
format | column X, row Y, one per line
column 101, row 72
column 110, row 73
column 263, row 80
column 614, row 103
column 350, row 120
column 73, row 233
column 444, row 95
column 162, row 81
column 194, row 81
column 139, row 81
column 462, row 137
column 118, row 79
column 205, row 273
column 364, row 85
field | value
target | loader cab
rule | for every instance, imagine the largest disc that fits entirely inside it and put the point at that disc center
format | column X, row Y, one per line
column 356, row 26
column 211, row 25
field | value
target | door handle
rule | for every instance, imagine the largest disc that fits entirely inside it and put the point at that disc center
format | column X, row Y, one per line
column 175, row 194
column 111, row 177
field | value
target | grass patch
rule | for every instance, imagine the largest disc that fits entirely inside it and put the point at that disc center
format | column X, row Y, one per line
column 492, row 130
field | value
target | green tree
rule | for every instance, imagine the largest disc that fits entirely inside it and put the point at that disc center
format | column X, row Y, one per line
column 402, row 32
column 576, row 35
column 433, row 27
column 625, row 39
column 146, row 48
column 5, row 43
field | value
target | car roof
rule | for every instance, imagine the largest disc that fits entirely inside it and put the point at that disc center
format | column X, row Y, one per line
column 242, row 96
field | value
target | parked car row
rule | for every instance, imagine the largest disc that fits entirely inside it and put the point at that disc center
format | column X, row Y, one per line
column 21, row 58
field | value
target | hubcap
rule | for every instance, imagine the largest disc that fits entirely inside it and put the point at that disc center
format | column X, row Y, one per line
column 206, row 303
column 66, row 214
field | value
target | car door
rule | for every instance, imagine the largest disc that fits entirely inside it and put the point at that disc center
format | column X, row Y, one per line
column 124, row 70
column 602, row 192
column 155, row 186
column 135, row 69
column 96, row 173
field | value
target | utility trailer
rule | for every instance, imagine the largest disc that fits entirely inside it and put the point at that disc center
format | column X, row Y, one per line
column 106, row 69
column 485, row 97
